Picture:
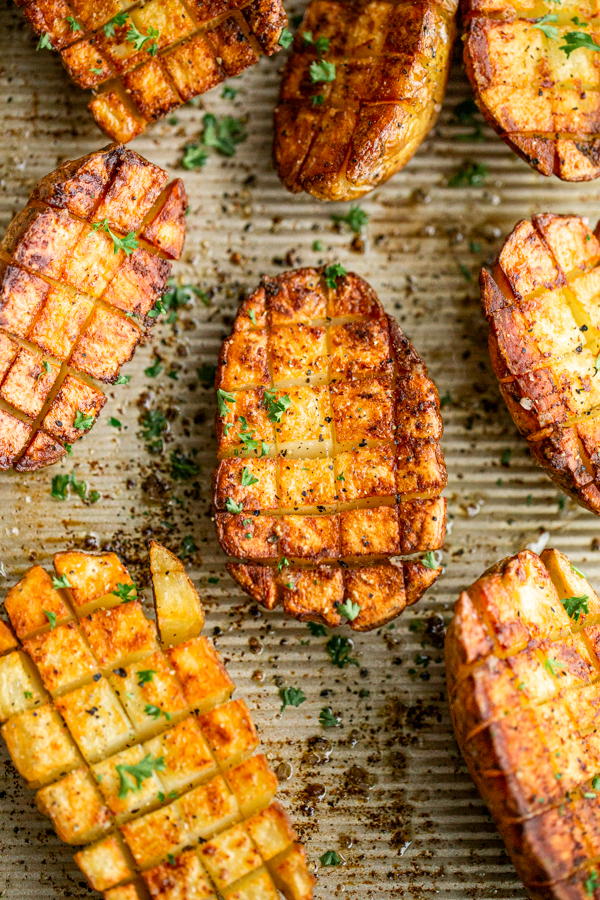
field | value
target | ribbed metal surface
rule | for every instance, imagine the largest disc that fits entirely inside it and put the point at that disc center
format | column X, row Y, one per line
column 392, row 779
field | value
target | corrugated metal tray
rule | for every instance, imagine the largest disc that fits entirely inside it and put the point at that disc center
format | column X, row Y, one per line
column 387, row 789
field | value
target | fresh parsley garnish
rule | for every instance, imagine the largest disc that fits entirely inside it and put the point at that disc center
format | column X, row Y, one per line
column 332, row 273
column 576, row 606
column 283, row 563
column 339, row 651
column 44, row 42
column 592, row 883
column 316, row 629
column 223, row 398
column 115, row 423
column 318, row 100
column 139, row 40
column 73, row 24
column 62, row 483
column 194, row 157
column 469, row 173
column 321, row 44
column 276, row 407
column 155, row 712
column 429, row 560
column 553, row 666
column 51, row 616
column 155, row 369
column 248, row 441
column 576, row 39
column 327, row 718
column 543, row 23
column 119, row 19
column 321, row 71
column 233, row 507
column 152, row 425
column 182, row 467
column 125, row 592
column 330, row 858
column 83, row 422
column 222, row 135
column 291, row 696
column 464, row 114
column 123, row 379
column 356, row 219
column 228, row 93
column 286, row 38
column 62, row 582
column 127, row 244
column 145, row 676
column 248, row 478
column 131, row 778
column 29, row 696
column 349, row 609
column 188, row 546
column 578, row 571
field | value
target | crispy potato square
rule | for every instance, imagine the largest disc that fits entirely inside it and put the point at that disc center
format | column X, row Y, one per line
column 249, row 482
column 14, row 434
column 232, row 47
column 117, row 118
column 92, row 577
column 586, row 289
column 123, row 793
column 41, row 239
column 93, row 262
column 569, row 758
column 50, row 17
column 7, row 639
column 551, row 323
column 298, row 297
column 40, row 745
column 271, row 831
column 366, row 473
column 76, row 808
column 380, row 591
column 81, row 58
column 21, row 296
column 78, row 185
column 353, row 297
column 62, row 657
column 230, row 733
column 75, row 396
column 420, row 468
column 571, row 241
column 266, row 21
column 243, row 361
column 258, row 885
column 58, row 325
column 370, row 532
column 20, row 685
column 180, row 878
column 135, row 188
column 193, row 68
column 150, row 694
column 208, row 809
column 30, row 599
column 107, row 341
column 363, row 410
column 96, row 12
column 133, row 891
column 298, row 351
column 247, row 416
column 229, row 856
column 166, row 231
column 168, row 17
column 186, row 756
column 150, row 90
column 422, row 525
column 527, row 263
column 201, row 673
column 307, row 482
column 307, row 417
column 104, row 864
column 417, row 408
column 156, row 834
column 96, row 719
column 358, row 348
column 42, row 451
column 120, row 634
column 121, row 53
column 254, row 784
column 248, row 537
column 532, row 677
column 138, row 283
column 290, row 873
column 313, row 594
column 310, row 537
column 584, row 706
column 28, row 382
column 8, row 351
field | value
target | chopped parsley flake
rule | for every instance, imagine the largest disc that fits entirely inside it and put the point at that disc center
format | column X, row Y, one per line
column 125, row 592
column 464, row 114
column 51, row 616
column 139, row 40
column 286, row 38
column 182, row 467
column 322, row 71
column 330, row 858
column 194, row 157
column 83, row 422
column 188, row 546
column 332, row 273
column 123, row 379
column 321, row 44
column 29, row 696
column 578, row 571
column 356, row 219
column 252, row 316
column 62, row 483
column 153, row 370
column 276, row 407
column 44, row 42
column 349, row 609
column 576, row 606
column 73, row 24
column 283, row 563
column 114, row 422
column 553, row 666
column 221, row 135
column 248, row 478
column 228, row 93
column 291, row 696
column 131, row 778
column 576, row 39
column 317, row 630
column 119, row 19
column 339, row 651
column 233, row 507
column 223, row 398
column 62, row 582
column 543, row 23
column 429, row 560
column 327, row 718
column 155, row 712
column 127, row 244
column 145, row 676
column 469, row 173
column 152, row 425
column 592, row 883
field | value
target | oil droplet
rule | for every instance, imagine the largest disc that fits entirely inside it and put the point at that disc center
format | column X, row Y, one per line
column 284, row 771
column 258, row 676
column 255, row 645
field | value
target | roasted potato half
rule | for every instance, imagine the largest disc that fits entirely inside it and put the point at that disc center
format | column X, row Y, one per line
column 144, row 60
column 523, row 671
column 362, row 88
column 328, row 431
column 542, row 302
column 138, row 753
column 535, row 72
column 80, row 267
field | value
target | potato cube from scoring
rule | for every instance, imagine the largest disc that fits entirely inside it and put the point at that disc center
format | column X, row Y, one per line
column 150, row 90
column 40, row 745
column 105, row 344
column 79, row 59
column 229, row 856
column 41, row 239
column 363, row 410
column 230, row 733
column 28, row 382
column 246, row 416
column 8, row 351
column 373, row 532
column 256, row 886
column 201, row 673
column 62, row 657
column 116, row 117
column 96, row 719
column 420, row 468
column 243, row 361
column 168, row 17
column 91, row 577
column 298, row 351
column 229, row 478
column 21, row 296
column 297, row 297
column 193, row 68
column 7, row 639
column 310, row 537
column 179, row 879
column 75, row 807
column 152, row 836
column 291, row 875
column 119, row 786
column 254, row 784
column 248, row 537
column 138, row 283
column 208, row 809
column 14, row 434
column 358, row 348
column 42, row 451
column 313, row 594
column 135, row 188
column 20, row 685
column 307, row 417
column 166, row 231
column 271, row 831
column 178, row 607
column 94, row 12
column 93, row 262
column 75, row 396
column 363, row 473
column 150, row 694
column 30, row 599
column 307, row 482
column 57, row 327
column 119, row 635
column 125, row 892
column 380, row 591
column 104, row 864
column 185, row 753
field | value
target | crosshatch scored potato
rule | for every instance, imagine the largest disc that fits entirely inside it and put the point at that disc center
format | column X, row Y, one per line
column 533, row 65
column 523, row 672
column 542, row 302
column 80, row 268
column 328, row 430
column 143, row 60
column 133, row 742
column 362, row 88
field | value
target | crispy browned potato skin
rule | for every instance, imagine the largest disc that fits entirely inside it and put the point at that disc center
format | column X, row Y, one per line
column 199, row 45
column 70, row 304
column 525, row 95
column 540, row 302
column 525, row 705
column 311, row 532
column 391, row 67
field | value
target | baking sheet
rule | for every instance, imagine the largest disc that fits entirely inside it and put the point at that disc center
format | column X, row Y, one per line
column 387, row 789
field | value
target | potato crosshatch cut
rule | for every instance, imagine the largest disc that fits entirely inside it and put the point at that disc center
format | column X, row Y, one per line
column 328, row 431
column 145, row 59
column 542, row 302
column 523, row 673
column 129, row 735
column 80, row 268
column 362, row 88
column 535, row 71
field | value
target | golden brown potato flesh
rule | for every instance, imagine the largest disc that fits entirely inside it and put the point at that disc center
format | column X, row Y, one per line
column 361, row 90
column 80, row 268
column 139, row 757
column 144, row 61
column 536, row 82
column 328, row 429
column 523, row 669
column 542, row 303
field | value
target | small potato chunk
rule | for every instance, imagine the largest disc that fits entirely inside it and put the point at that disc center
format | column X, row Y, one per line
column 34, row 604
column 93, row 577
column 185, row 753
column 184, row 876
column 208, row 809
column 20, row 686
column 62, row 657
column 104, row 864
column 75, row 807
column 154, row 835
column 254, row 784
column 96, row 719
column 126, row 786
column 201, row 673
column 271, row 831
column 229, row 856
column 40, row 745
column 178, row 607
column 119, row 635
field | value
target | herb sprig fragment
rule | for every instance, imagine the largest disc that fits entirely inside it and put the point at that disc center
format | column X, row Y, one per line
column 576, row 606
column 127, row 244
column 276, row 406
column 222, row 135
column 356, row 219
column 291, row 696
column 543, row 23
column 139, row 40
column 131, row 778
column 576, row 39
column 339, row 651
